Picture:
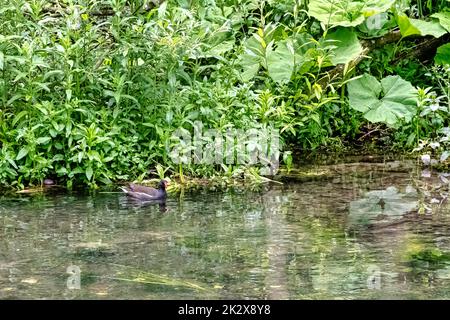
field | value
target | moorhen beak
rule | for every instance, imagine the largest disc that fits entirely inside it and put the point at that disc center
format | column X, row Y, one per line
column 144, row 193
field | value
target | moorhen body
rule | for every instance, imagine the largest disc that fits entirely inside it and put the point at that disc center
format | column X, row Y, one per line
column 144, row 193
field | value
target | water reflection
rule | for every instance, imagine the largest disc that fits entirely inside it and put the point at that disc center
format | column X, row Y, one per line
column 128, row 202
column 380, row 206
column 361, row 234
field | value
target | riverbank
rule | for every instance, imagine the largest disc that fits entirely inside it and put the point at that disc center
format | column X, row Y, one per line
column 314, row 166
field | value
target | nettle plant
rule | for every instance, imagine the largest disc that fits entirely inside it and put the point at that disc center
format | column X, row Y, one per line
column 433, row 119
column 436, row 152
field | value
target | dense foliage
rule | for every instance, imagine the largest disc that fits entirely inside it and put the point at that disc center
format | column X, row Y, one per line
column 91, row 91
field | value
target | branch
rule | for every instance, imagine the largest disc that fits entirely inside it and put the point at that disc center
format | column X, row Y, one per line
column 424, row 50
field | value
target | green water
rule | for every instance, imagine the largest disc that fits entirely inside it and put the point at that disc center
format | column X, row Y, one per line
column 354, row 235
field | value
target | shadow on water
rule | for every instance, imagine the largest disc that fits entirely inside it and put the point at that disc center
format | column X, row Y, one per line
column 358, row 230
column 134, row 203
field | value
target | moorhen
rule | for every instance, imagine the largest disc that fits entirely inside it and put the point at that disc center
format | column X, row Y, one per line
column 146, row 193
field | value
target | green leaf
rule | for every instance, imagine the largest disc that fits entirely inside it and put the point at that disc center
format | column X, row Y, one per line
column 80, row 156
column 364, row 92
column 216, row 46
column 13, row 163
column 442, row 56
column 89, row 172
column 444, row 19
column 346, row 13
column 53, row 132
column 398, row 100
column 53, row 73
column 41, row 108
column 58, row 157
column 410, row 27
column 281, row 61
column 43, row 86
column 219, row 49
column 22, row 153
column 256, row 45
column 18, row 117
column 252, row 58
column 347, row 46
column 61, row 171
column 127, row 96
column 162, row 10
column 68, row 94
column 2, row 59
column 250, row 64
column 13, row 98
column 43, row 140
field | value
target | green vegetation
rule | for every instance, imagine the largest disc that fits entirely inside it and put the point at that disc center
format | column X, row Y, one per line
column 91, row 91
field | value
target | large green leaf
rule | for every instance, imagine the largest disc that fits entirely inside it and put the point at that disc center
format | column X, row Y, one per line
column 346, row 13
column 393, row 100
column 364, row 92
column 281, row 61
column 255, row 52
column 215, row 40
column 410, row 27
column 250, row 64
column 444, row 19
column 443, row 54
column 251, row 59
column 289, row 55
column 347, row 46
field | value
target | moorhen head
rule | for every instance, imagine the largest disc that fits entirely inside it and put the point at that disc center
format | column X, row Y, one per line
column 146, row 193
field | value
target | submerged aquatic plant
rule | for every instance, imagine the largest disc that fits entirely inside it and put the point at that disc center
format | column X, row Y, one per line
column 131, row 274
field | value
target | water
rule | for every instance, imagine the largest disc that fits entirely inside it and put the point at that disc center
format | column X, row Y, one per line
column 355, row 235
